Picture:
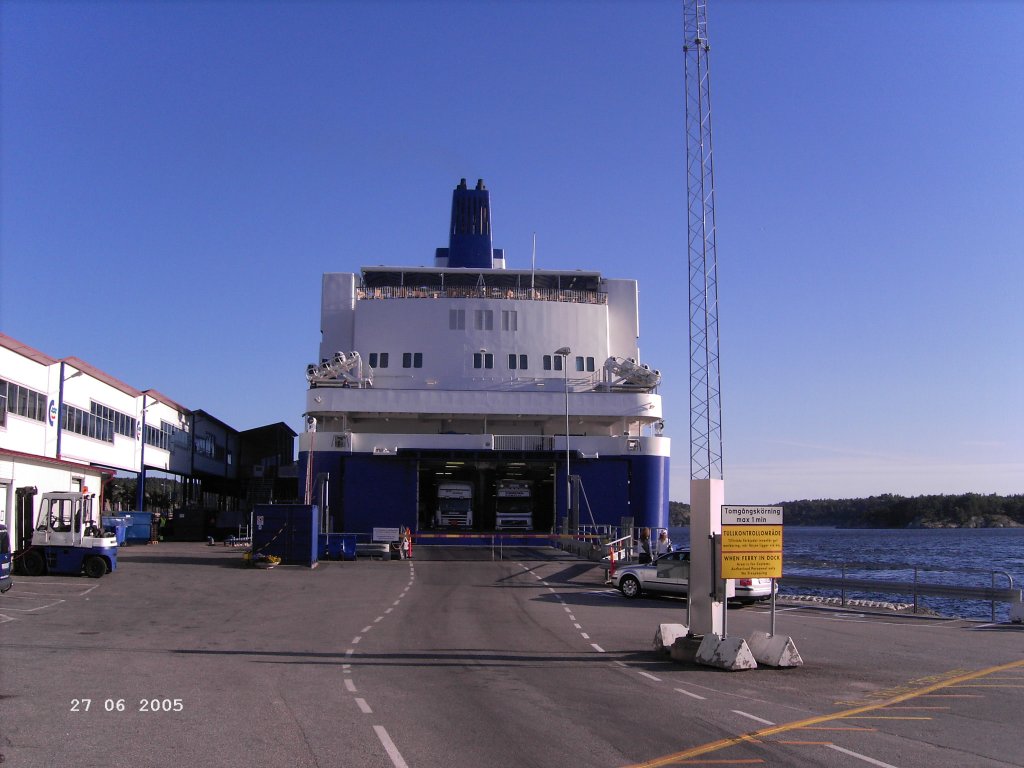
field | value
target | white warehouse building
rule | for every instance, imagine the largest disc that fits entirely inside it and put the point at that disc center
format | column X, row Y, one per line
column 66, row 425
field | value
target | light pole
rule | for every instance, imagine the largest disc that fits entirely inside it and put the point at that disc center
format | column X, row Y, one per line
column 140, row 491
column 563, row 352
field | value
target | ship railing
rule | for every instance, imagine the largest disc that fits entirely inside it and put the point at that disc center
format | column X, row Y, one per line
column 482, row 292
column 916, row 588
column 523, row 442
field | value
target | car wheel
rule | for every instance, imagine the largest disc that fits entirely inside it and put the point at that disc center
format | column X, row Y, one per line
column 95, row 567
column 33, row 563
column 630, row 587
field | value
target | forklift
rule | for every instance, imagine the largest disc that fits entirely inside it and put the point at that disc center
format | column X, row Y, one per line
column 68, row 538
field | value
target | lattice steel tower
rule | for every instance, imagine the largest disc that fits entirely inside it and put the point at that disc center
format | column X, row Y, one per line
column 705, row 378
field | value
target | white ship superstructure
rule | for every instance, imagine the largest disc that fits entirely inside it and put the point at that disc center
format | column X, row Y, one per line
column 471, row 372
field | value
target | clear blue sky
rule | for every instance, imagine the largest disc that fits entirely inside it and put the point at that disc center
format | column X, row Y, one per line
column 177, row 176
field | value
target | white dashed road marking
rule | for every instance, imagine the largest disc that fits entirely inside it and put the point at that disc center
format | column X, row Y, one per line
column 389, row 747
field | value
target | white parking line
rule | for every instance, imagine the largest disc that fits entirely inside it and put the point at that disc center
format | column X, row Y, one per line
column 389, row 747
column 367, row 629
column 753, row 717
column 349, row 685
column 649, row 676
column 584, row 635
column 30, row 610
column 363, row 706
column 356, row 639
column 859, row 756
column 597, row 647
column 691, row 695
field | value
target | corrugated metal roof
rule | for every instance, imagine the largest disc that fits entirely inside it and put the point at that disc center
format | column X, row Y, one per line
column 96, row 373
column 25, row 350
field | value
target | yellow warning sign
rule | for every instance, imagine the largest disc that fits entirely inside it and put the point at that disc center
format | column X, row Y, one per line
column 751, row 551
column 752, row 537
column 755, row 565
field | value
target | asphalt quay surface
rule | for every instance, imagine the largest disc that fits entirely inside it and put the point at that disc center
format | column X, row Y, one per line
column 184, row 656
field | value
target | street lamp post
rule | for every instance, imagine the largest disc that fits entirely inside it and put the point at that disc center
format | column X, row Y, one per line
column 563, row 352
column 140, row 491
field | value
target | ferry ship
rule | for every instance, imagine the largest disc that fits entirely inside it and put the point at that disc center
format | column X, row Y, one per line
column 475, row 398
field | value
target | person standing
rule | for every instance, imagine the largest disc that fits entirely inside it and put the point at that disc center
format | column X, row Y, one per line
column 407, row 543
column 664, row 545
column 645, row 546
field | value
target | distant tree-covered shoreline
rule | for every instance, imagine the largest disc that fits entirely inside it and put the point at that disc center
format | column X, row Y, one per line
column 965, row 510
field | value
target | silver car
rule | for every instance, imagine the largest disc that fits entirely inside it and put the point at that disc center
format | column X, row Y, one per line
column 670, row 575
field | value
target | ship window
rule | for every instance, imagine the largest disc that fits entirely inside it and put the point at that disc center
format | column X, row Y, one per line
column 373, row 359
column 457, row 319
column 590, row 364
column 523, row 362
column 412, row 359
column 552, row 363
column 547, row 362
column 512, row 359
column 378, row 360
column 518, row 361
column 509, row 320
column 483, row 319
column 579, row 363
column 483, row 360
column 407, row 359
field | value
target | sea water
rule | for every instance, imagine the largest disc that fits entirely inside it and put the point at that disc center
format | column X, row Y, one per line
column 961, row 556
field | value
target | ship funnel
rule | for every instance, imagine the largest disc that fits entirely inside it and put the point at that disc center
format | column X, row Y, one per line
column 469, row 236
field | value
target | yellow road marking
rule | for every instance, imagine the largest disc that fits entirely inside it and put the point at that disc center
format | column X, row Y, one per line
column 917, row 707
column 715, row 746
column 990, row 685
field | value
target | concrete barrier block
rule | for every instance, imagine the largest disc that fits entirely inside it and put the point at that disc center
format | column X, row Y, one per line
column 1017, row 612
column 731, row 654
column 666, row 635
column 774, row 650
column 684, row 649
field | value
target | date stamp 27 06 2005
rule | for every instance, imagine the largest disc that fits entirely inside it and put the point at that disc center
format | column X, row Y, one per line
column 122, row 705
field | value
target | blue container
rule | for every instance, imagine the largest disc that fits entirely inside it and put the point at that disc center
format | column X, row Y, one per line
column 119, row 525
column 337, row 546
column 289, row 531
column 140, row 527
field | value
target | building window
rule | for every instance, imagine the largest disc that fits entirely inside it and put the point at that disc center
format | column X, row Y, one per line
column 412, row 359
column 161, row 438
column 120, row 423
column 457, row 319
column 23, row 401
column 509, row 320
column 483, row 319
column 483, row 360
column 205, row 445
column 88, row 424
column 552, row 362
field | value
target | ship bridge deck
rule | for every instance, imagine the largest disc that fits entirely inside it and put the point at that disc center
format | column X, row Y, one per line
column 522, row 285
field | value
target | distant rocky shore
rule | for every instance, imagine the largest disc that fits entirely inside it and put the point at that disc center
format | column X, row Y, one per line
column 966, row 510
column 977, row 521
